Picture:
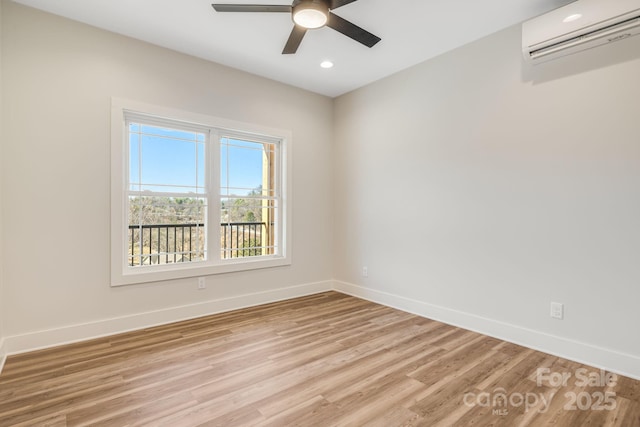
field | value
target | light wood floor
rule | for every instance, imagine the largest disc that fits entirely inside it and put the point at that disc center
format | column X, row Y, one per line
column 322, row 360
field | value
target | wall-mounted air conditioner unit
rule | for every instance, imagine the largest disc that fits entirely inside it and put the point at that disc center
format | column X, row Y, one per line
column 577, row 26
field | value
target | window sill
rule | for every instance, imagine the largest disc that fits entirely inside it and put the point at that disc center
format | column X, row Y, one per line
column 158, row 273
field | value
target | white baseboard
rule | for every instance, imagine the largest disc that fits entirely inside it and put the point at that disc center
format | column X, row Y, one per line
column 3, row 354
column 621, row 363
column 81, row 332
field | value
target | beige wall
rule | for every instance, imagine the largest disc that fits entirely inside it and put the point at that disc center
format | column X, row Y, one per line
column 2, row 310
column 478, row 193
column 59, row 77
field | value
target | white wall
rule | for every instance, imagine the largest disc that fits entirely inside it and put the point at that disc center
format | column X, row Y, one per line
column 478, row 192
column 59, row 77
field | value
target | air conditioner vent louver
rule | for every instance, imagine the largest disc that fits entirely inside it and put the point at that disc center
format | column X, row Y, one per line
column 551, row 36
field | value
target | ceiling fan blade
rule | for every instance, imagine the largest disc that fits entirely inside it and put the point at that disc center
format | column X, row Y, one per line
column 295, row 38
column 351, row 30
column 339, row 3
column 251, row 8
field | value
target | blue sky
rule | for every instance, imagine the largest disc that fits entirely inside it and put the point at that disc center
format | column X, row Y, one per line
column 242, row 171
column 177, row 158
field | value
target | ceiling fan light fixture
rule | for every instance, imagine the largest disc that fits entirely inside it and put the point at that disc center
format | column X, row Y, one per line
column 308, row 14
column 311, row 14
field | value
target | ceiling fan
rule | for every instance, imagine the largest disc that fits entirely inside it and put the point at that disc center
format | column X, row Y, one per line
column 308, row 14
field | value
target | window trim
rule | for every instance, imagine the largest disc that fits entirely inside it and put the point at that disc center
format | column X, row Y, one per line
column 121, row 274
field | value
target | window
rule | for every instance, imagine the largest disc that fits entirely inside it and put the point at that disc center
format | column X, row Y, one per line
column 166, row 193
column 191, row 197
column 249, row 197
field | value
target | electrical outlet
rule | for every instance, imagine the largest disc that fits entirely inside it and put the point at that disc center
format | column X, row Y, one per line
column 365, row 272
column 202, row 283
column 557, row 310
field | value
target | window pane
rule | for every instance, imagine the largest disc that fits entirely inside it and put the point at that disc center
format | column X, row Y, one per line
column 242, row 167
column 166, row 160
column 249, row 199
column 224, row 182
column 134, row 160
column 250, row 228
column 241, row 210
column 200, row 157
column 269, row 177
column 166, row 230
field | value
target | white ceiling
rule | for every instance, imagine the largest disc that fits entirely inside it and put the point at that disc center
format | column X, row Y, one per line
column 412, row 31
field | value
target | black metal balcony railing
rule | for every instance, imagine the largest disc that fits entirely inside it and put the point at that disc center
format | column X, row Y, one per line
column 172, row 243
column 241, row 239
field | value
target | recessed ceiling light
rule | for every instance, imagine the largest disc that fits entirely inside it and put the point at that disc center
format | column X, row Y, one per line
column 326, row 64
column 572, row 18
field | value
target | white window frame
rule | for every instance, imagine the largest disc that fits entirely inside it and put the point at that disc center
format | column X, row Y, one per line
column 121, row 272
